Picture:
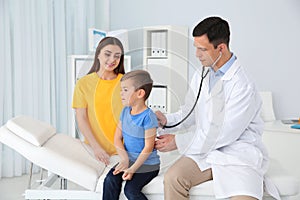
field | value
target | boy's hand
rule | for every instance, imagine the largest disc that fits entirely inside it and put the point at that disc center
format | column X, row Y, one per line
column 122, row 166
column 128, row 173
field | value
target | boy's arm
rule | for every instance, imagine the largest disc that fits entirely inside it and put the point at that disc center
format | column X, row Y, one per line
column 118, row 140
column 150, row 135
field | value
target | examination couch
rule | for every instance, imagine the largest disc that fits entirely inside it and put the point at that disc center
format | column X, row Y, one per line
column 73, row 160
column 67, row 158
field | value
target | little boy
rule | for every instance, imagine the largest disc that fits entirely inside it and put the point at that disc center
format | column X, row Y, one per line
column 134, row 140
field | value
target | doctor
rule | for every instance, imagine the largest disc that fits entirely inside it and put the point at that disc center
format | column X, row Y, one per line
column 226, row 143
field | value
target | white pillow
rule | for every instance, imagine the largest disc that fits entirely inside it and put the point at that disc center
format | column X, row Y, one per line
column 33, row 131
column 267, row 111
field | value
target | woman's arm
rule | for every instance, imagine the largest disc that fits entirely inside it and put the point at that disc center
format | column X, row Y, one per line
column 150, row 135
column 85, row 128
column 118, row 140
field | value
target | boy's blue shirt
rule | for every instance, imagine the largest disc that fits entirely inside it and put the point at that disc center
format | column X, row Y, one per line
column 133, row 131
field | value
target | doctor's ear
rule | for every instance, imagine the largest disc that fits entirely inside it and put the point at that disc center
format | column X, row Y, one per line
column 222, row 47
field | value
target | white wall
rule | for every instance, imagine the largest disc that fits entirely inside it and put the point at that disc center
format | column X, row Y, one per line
column 265, row 37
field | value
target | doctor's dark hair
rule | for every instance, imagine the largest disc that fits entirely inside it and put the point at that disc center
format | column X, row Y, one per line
column 216, row 29
column 141, row 79
column 104, row 42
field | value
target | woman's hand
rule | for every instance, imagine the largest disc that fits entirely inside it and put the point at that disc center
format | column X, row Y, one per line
column 101, row 155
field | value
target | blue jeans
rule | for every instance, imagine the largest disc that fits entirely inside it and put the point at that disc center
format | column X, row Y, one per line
column 133, row 188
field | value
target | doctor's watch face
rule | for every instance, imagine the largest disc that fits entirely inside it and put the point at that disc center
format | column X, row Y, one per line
column 205, row 51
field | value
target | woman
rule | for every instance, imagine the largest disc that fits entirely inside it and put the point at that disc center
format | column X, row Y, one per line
column 97, row 100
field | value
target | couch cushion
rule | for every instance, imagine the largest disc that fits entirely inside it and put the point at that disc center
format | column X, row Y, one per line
column 286, row 184
column 33, row 131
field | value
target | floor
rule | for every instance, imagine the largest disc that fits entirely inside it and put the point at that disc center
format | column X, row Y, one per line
column 13, row 188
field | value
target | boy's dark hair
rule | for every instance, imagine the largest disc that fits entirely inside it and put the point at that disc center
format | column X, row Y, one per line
column 141, row 80
column 216, row 29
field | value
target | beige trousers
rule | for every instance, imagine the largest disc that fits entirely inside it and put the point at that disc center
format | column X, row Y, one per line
column 181, row 177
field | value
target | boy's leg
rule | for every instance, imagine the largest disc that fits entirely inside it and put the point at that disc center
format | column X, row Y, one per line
column 181, row 176
column 112, row 186
column 133, row 188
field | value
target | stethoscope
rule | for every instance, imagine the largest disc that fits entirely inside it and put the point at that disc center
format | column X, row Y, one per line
column 203, row 75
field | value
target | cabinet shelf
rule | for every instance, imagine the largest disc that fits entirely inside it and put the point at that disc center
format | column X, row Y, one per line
column 165, row 57
column 157, row 57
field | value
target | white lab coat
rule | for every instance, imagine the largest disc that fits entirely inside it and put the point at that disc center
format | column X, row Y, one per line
column 228, row 127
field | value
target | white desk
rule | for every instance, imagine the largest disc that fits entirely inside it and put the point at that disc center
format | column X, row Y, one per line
column 283, row 144
column 278, row 126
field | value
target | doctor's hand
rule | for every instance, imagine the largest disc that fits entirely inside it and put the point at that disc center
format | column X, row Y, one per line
column 166, row 143
column 162, row 120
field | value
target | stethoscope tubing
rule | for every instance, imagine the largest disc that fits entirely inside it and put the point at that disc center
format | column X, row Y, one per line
column 198, row 95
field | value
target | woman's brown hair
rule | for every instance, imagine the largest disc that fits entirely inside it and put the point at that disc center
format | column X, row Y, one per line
column 104, row 42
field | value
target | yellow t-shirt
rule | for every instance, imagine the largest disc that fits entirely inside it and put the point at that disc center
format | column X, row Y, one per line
column 103, row 102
